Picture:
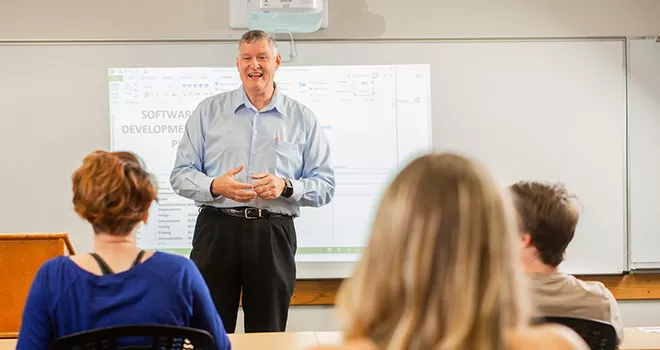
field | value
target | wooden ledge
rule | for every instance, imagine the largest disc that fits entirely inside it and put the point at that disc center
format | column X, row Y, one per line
column 644, row 286
column 40, row 236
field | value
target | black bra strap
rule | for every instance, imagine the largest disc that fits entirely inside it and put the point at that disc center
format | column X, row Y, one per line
column 104, row 267
column 139, row 257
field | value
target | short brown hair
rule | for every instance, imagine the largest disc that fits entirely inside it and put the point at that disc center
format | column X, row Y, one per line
column 112, row 191
column 549, row 215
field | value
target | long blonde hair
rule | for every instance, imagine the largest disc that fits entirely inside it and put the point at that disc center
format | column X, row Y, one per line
column 441, row 268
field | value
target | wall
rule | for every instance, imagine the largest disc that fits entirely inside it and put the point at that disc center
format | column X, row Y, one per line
column 208, row 19
column 27, row 20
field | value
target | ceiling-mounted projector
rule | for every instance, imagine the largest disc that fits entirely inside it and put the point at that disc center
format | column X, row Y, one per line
column 281, row 16
column 285, row 6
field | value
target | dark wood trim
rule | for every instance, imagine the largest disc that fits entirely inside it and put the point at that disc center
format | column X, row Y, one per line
column 624, row 287
column 643, row 286
column 315, row 292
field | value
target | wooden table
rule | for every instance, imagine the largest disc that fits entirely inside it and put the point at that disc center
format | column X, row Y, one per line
column 637, row 339
column 273, row 341
column 634, row 339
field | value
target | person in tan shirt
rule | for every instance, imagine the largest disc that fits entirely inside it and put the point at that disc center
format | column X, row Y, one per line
column 548, row 217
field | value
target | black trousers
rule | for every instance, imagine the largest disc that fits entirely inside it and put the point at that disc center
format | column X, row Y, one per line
column 252, row 255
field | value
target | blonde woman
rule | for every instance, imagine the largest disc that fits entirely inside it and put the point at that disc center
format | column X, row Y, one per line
column 441, row 269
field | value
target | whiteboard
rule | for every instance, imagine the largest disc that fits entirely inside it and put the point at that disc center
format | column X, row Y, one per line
column 547, row 110
column 644, row 162
column 149, row 108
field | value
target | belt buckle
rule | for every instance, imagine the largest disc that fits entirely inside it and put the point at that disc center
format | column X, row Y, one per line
column 248, row 210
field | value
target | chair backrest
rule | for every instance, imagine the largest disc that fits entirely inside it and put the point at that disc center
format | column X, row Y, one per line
column 597, row 334
column 161, row 337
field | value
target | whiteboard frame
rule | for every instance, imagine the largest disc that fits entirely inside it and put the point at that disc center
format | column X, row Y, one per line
column 635, row 266
column 385, row 40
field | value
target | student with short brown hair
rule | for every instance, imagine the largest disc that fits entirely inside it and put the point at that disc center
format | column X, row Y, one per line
column 548, row 216
column 117, row 284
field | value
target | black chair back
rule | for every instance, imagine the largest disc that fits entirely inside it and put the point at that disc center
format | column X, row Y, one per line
column 597, row 334
column 163, row 337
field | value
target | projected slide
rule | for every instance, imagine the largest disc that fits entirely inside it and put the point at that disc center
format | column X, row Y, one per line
column 376, row 118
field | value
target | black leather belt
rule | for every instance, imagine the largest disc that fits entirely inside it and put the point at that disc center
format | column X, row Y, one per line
column 247, row 212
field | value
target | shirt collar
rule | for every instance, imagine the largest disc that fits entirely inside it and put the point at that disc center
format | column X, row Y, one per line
column 276, row 103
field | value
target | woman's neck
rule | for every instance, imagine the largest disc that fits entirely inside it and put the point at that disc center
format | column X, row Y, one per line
column 118, row 252
column 115, row 244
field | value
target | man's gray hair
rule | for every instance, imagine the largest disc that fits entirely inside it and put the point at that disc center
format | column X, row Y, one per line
column 253, row 35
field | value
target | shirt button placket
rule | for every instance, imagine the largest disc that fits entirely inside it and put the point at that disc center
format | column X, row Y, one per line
column 253, row 143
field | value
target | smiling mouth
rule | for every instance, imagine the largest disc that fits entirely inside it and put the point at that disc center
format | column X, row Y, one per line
column 255, row 75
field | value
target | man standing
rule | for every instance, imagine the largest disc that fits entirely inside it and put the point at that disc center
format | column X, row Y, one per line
column 548, row 218
column 250, row 158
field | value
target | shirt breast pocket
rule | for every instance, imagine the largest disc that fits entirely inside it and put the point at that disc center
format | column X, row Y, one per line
column 288, row 158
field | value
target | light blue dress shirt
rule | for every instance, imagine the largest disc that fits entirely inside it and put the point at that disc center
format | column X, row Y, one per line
column 284, row 139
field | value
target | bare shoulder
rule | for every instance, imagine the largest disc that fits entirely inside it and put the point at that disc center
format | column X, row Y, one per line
column 546, row 337
column 147, row 254
column 86, row 262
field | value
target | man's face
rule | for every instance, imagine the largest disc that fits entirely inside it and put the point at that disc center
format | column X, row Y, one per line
column 257, row 63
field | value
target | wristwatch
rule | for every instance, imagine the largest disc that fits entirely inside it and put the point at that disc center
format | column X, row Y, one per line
column 288, row 189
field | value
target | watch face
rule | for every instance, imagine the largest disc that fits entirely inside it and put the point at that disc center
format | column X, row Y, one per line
column 289, row 189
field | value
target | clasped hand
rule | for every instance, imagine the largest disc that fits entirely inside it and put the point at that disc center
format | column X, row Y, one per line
column 267, row 186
